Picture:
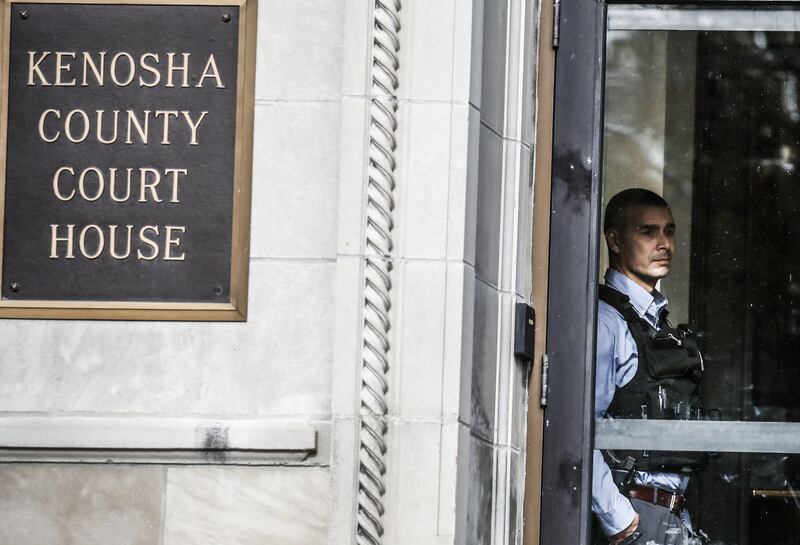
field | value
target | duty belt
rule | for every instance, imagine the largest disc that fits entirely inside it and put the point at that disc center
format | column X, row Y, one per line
column 658, row 496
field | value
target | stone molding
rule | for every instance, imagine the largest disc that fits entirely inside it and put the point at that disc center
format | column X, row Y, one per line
column 153, row 440
column 377, row 271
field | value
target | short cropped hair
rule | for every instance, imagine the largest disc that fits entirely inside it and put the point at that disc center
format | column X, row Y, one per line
column 616, row 216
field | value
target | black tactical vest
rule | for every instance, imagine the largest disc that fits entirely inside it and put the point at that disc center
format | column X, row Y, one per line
column 666, row 385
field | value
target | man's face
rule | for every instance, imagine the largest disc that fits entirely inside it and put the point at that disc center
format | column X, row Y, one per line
column 643, row 249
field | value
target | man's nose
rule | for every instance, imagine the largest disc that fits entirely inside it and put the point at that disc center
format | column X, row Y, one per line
column 664, row 241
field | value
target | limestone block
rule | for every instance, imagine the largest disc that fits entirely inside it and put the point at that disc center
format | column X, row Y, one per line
column 500, row 502
column 463, row 485
column 490, row 492
column 353, row 174
column 423, row 178
column 463, row 164
column 426, row 50
column 508, row 494
column 466, row 14
column 471, row 190
column 356, row 47
column 295, row 174
column 43, row 504
column 489, row 206
column 517, row 104
column 517, row 404
column 467, row 346
column 344, row 475
column 508, row 378
column 516, row 496
column 299, row 51
column 523, row 206
column 509, row 67
column 457, row 345
column 511, row 113
column 417, row 355
column 348, row 325
column 413, row 484
column 246, row 506
column 483, row 395
column 493, row 78
column 476, row 54
column 137, row 433
column 510, row 216
column 529, row 69
column 278, row 362
column 475, row 495
column 449, row 459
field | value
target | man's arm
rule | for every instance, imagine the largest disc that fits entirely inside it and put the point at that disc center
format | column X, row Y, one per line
column 614, row 511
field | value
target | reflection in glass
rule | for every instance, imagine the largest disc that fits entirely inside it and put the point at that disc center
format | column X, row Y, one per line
column 711, row 121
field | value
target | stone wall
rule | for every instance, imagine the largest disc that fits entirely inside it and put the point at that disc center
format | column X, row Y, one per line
column 494, row 392
column 294, row 384
column 272, row 371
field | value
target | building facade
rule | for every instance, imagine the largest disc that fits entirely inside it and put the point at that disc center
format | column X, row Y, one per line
column 414, row 360
column 372, row 395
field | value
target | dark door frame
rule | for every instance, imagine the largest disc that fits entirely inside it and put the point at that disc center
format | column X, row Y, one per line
column 572, row 287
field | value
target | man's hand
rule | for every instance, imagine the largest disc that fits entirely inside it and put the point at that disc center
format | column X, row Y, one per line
column 626, row 533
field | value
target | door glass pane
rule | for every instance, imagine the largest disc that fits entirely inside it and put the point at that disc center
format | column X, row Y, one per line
column 702, row 107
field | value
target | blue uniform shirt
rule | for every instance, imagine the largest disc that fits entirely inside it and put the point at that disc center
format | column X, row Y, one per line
column 617, row 362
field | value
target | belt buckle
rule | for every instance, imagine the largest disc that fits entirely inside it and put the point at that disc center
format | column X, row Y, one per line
column 673, row 499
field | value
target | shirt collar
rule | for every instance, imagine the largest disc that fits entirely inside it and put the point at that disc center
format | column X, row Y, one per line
column 647, row 305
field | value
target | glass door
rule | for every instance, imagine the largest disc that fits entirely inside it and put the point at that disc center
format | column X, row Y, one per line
column 700, row 106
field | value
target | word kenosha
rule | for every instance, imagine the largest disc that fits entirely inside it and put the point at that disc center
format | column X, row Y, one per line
column 122, row 126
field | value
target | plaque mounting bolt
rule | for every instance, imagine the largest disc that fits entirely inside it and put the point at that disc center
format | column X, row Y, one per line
column 218, row 290
column 14, row 287
column 23, row 13
column 226, row 18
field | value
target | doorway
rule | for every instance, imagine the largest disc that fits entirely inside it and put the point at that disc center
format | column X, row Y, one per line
column 699, row 104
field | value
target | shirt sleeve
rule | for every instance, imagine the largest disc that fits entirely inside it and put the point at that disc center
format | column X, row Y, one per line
column 613, row 510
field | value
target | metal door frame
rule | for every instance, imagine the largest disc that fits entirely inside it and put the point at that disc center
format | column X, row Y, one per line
column 572, row 287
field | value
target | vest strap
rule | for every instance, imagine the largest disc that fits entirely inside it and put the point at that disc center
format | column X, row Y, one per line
column 620, row 301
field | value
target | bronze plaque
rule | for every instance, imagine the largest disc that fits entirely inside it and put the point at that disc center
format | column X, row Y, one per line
column 128, row 130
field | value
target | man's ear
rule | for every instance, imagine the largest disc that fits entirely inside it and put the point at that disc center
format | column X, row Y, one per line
column 612, row 240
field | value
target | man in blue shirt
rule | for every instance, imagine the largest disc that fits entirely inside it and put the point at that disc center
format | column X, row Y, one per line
column 640, row 235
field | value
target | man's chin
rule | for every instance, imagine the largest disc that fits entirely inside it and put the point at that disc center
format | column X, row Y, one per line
column 661, row 272
column 654, row 274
